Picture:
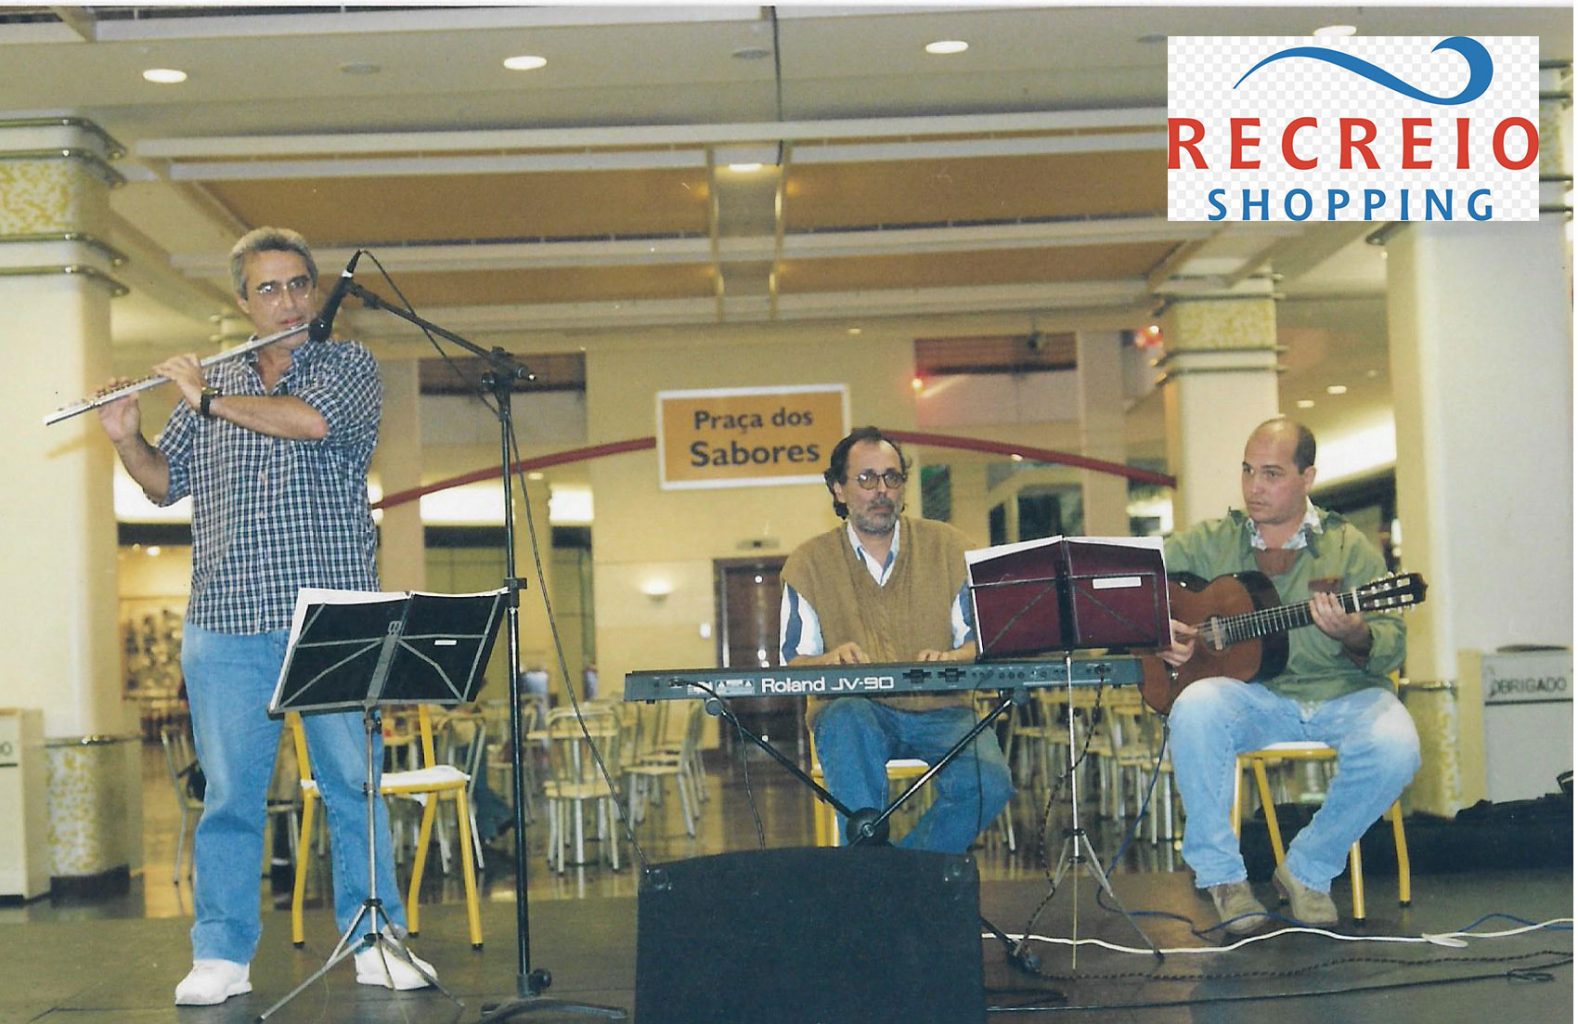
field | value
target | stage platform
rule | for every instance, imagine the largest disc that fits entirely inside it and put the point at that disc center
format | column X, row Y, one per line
column 123, row 970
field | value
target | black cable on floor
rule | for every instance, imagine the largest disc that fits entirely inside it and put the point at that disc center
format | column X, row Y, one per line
column 1294, row 972
column 1540, row 973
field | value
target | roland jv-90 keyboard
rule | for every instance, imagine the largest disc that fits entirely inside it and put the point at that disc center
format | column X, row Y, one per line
column 883, row 680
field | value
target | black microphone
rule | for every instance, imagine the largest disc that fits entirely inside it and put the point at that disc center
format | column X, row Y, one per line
column 319, row 329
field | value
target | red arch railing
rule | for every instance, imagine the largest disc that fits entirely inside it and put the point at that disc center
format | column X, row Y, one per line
column 595, row 451
column 973, row 444
column 598, row 451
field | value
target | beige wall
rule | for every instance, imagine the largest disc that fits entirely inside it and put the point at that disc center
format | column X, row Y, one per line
column 642, row 533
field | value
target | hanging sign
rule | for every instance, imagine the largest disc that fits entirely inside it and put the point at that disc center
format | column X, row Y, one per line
column 748, row 437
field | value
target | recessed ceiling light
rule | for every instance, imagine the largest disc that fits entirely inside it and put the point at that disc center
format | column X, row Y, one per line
column 1335, row 31
column 747, row 168
column 1305, row 403
column 751, row 53
column 853, row 330
column 525, row 62
column 947, row 46
column 534, row 475
column 360, row 67
column 164, row 76
column 1336, row 389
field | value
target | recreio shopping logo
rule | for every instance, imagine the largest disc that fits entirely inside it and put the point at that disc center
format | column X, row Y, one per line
column 1383, row 128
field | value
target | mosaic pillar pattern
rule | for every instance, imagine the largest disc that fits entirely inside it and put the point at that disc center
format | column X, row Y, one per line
column 95, row 805
column 1220, row 383
column 57, row 280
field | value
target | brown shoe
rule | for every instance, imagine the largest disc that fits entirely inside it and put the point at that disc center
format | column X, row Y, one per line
column 1305, row 905
column 1237, row 908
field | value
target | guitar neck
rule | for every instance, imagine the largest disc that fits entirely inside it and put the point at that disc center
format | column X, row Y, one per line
column 1280, row 619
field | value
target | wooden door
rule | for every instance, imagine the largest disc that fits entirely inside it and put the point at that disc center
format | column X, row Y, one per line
column 747, row 632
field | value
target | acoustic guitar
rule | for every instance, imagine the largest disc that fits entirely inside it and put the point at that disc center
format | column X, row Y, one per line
column 1242, row 627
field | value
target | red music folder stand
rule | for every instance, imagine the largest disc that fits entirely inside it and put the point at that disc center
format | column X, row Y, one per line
column 1060, row 595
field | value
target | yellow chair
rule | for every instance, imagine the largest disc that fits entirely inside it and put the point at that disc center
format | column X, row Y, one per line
column 433, row 780
column 647, row 771
column 575, row 776
column 1278, row 753
column 180, row 762
column 984, row 703
column 1039, row 733
column 1130, row 753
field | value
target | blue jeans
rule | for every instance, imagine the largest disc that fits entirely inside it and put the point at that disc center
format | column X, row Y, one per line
column 229, row 680
column 856, row 737
column 1214, row 720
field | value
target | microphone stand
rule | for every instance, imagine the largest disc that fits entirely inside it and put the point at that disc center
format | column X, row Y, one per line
column 504, row 370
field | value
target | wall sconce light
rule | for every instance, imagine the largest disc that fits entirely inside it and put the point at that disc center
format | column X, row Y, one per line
column 657, row 588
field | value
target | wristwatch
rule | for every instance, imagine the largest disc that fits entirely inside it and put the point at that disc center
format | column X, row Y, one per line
column 203, row 403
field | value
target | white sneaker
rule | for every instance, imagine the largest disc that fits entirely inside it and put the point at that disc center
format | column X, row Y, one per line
column 213, row 981
column 381, row 965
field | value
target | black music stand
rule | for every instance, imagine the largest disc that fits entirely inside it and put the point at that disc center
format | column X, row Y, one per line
column 500, row 379
column 1062, row 595
column 356, row 649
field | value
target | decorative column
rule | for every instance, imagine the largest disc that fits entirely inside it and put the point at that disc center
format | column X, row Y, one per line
column 402, row 548
column 1099, row 361
column 1220, row 383
column 61, row 642
column 1480, row 332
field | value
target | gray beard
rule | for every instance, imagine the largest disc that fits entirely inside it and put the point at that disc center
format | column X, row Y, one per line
column 864, row 524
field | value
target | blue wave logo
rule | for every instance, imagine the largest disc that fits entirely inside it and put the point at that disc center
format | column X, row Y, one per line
column 1481, row 69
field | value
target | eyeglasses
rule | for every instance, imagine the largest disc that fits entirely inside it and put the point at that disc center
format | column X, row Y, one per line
column 891, row 479
column 273, row 291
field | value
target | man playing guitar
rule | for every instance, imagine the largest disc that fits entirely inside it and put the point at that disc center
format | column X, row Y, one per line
column 1335, row 686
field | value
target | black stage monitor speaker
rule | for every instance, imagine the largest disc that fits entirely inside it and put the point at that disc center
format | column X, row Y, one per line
column 863, row 935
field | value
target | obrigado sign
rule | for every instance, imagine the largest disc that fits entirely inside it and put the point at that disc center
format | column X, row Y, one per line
column 1386, row 128
column 745, row 437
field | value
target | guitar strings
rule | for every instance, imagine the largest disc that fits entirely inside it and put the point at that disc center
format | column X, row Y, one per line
column 1248, row 625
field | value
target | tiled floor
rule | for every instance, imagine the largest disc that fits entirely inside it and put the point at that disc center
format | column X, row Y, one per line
column 115, row 958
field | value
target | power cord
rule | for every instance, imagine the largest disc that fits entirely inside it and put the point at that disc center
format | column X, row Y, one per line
column 1540, row 973
column 1450, row 940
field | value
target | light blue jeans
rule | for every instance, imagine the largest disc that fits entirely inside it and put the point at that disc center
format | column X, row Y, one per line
column 229, row 680
column 1214, row 720
column 855, row 739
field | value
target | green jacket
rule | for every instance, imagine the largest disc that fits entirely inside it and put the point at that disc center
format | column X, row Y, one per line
column 1317, row 669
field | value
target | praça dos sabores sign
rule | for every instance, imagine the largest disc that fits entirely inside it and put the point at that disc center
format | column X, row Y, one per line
column 748, row 437
column 1382, row 128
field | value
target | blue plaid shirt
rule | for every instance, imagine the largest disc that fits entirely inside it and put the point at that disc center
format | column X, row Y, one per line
column 271, row 515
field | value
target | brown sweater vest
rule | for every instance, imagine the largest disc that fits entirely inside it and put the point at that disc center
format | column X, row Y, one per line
column 895, row 622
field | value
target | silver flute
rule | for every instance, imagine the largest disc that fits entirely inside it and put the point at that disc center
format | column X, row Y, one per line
column 66, row 412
